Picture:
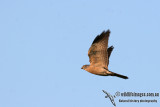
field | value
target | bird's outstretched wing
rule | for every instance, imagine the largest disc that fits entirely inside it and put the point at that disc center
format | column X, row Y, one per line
column 109, row 51
column 98, row 55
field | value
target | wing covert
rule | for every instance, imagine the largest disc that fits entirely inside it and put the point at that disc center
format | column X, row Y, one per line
column 97, row 53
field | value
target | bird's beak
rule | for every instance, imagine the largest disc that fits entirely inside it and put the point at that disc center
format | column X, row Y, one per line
column 82, row 68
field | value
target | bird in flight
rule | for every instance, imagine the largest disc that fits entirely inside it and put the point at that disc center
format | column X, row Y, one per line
column 99, row 55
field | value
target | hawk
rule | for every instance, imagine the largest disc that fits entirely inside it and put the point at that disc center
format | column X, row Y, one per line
column 99, row 55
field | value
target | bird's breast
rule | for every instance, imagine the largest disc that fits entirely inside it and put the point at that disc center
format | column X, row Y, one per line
column 96, row 70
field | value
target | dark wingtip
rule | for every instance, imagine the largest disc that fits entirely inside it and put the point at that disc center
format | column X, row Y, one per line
column 105, row 32
column 108, row 31
column 99, row 37
column 111, row 48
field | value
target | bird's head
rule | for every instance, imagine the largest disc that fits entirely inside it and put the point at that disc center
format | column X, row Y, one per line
column 85, row 67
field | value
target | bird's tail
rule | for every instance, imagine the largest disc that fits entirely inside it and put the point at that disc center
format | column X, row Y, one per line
column 118, row 75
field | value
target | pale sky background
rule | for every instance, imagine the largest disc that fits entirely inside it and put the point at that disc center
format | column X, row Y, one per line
column 44, row 43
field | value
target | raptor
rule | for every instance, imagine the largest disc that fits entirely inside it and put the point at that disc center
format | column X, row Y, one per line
column 99, row 55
